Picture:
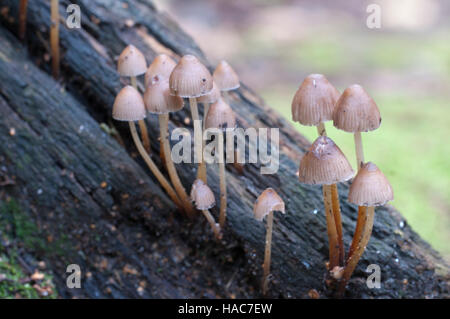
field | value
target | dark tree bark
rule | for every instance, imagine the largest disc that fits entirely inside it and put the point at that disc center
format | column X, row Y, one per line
column 96, row 205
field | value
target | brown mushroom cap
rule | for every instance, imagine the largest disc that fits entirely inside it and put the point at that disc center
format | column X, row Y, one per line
column 267, row 202
column 212, row 96
column 128, row 105
column 202, row 195
column 131, row 62
column 324, row 164
column 158, row 100
column 356, row 111
column 190, row 78
column 162, row 66
column 370, row 187
column 314, row 101
column 225, row 77
column 221, row 116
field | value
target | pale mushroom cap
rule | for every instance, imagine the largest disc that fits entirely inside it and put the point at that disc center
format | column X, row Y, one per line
column 225, row 77
column 131, row 62
column 212, row 96
column 221, row 116
column 324, row 164
column 162, row 66
column 356, row 111
column 158, row 100
column 370, row 187
column 202, row 195
column 314, row 101
column 190, row 78
column 128, row 105
column 267, row 202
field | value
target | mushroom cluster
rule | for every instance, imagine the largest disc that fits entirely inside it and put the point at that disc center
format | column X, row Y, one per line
column 166, row 85
column 315, row 102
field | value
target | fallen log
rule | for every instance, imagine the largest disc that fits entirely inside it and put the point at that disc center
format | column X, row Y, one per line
column 95, row 204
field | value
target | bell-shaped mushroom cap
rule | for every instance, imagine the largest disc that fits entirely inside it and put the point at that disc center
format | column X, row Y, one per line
column 225, row 77
column 267, row 202
column 212, row 96
column 131, row 62
column 128, row 105
column 370, row 187
column 314, row 101
column 162, row 66
column 158, row 100
column 324, row 163
column 190, row 78
column 221, row 116
column 202, row 195
column 356, row 111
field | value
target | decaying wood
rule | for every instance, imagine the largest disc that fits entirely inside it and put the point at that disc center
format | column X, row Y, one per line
column 96, row 205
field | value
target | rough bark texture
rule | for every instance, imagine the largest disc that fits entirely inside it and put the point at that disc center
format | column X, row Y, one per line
column 96, row 205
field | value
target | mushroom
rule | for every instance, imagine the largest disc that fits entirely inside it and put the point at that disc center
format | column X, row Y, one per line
column 325, row 164
column 23, row 18
column 313, row 104
column 204, row 199
column 356, row 112
column 226, row 78
column 206, row 100
column 162, row 66
column 268, row 202
column 129, row 106
column 158, row 100
column 370, row 188
column 191, row 79
column 220, row 116
column 54, row 37
column 132, row 63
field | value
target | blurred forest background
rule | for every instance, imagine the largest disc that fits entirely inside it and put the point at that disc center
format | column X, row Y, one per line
column 405, row 66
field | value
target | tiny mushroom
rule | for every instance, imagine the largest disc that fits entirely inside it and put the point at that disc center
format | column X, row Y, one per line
column 325, row 164
column 268, row 202
column 191, row 79
column 131, row 64
column 158, row 100
column 129, row 106
column 162, row 66
column 221, row 117
column 314, row 102
column 204, row 199
column 356, row 112
column 226, row 78
column 370, row 188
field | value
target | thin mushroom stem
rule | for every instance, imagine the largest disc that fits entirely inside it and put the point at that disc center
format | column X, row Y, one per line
column 359, row 150
column 223, row 183
column 54, row 37
column 267, row 253
column 338, row 221
column 142, row 125
column 153, row 168
column 198, row 138
column 164, row 133
column 202, row 173
column 23, row 18
column 353, row 261
column 358, row 231
column 215, row 227
column 331, row 227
